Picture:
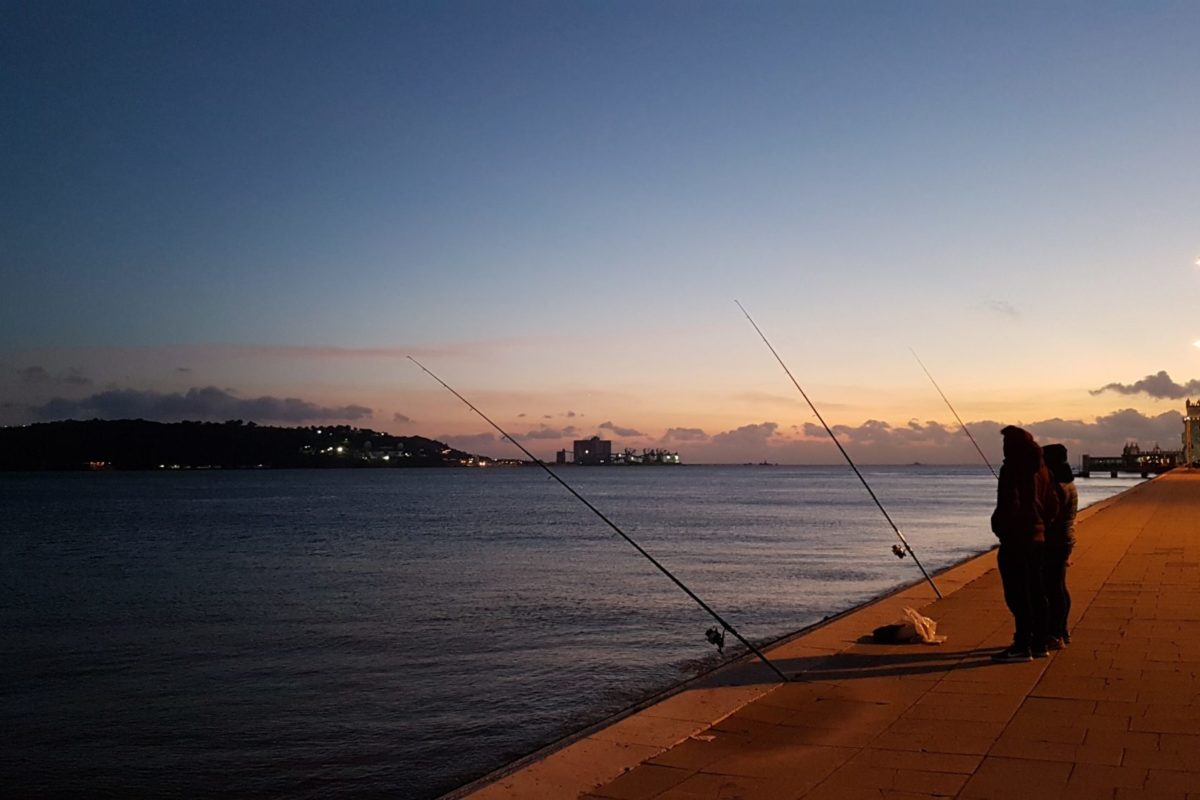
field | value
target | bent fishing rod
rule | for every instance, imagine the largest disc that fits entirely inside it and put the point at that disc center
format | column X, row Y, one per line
column 907, row 548
column 714, row 636
column 955, row 413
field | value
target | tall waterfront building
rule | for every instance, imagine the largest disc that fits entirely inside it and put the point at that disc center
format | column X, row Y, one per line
column 593, row 451
column 1191, row 433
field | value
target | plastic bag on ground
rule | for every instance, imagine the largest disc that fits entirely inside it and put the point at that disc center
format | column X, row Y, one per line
column 913, row 628
column 924, row 628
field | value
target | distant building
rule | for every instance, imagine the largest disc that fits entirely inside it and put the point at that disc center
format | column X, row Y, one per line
column 659, row 457
column 1133, row 459
column 1191, row 433
column 593, row 451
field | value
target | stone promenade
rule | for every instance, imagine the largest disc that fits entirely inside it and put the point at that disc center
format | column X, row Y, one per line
column 1115, row 715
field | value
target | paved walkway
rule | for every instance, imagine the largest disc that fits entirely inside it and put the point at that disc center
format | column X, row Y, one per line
column 1116, row 715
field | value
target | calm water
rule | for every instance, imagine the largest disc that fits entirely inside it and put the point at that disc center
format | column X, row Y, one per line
column 397, row 633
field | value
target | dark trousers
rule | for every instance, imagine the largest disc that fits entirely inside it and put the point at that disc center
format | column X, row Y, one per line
column 1021, row 574
column 1058, row 599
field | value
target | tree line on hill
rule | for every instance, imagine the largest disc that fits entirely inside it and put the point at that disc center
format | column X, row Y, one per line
column 141, row 444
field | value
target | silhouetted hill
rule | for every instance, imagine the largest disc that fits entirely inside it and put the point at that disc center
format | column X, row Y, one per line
column 140, row 444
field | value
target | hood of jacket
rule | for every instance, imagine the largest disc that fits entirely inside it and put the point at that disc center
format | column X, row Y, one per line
column 1021, row 452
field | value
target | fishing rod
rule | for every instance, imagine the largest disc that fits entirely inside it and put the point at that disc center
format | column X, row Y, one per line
column 897, row 549
column 955, row 413
column 713, row 635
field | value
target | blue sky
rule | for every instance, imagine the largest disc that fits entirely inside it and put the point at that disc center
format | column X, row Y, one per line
column 554, row 206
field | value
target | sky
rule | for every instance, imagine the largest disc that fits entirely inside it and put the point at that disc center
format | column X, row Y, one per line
column 229, row 210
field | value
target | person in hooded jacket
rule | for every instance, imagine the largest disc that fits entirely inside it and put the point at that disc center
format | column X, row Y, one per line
column 1026, row 502
column 1060, row 540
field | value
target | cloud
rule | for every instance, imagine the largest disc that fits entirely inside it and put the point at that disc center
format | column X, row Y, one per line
column 34, row 375
column 552, row 433
column 400, row 418
column 522, row 414
column 38, row 376
column 685, row 435
column 878, row 442
column 748, row 443
column 471, row 443
column 747, row 434
column 618, row 430
column 875, row 433
column 767, row 398
column 570, row 414
column 1106, row 435
column 1004, row 308
column 1157, row 385
column 547, row 416
column 184, row 370
column 209, row 403
column 447, row 350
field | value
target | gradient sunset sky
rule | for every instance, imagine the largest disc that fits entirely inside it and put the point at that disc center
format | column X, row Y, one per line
column 210, row 209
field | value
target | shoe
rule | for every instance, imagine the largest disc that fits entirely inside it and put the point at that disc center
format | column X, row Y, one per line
column 1013, row 654
column 1055, row 643
column 1066, row 638
column 1039, row 652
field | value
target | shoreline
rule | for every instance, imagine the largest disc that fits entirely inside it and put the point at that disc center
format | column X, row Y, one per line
column 607, row 749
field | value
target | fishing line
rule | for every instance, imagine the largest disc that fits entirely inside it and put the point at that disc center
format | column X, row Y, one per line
column 955, row 413
column 907, row 548
column 715, row 636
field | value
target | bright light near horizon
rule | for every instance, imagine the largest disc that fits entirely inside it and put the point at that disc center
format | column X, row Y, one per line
column 1196, row 343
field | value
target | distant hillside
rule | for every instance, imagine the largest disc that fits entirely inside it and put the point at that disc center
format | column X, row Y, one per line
column 139, row 444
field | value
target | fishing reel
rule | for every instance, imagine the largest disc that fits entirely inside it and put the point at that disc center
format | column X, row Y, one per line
column 898, row 551
column 716, row 636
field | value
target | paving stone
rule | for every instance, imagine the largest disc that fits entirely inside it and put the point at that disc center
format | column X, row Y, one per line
column 1126, row 740
column 813, row 761
column 1017, row 778
column 643, row 783
column 1173, row 781
column 1108, row 777
column 729, row 787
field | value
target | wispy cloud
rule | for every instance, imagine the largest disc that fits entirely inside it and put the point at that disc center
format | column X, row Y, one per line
column 619, row 430
column 767, row 398
column 1003, row 308
column 401, row 418
column 480, row 443
column 36, row 375
column 448, row 350
column 568, row 432
column 209, row 403
column 1157, row 385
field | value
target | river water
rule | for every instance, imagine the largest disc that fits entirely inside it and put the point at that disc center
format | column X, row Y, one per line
column 396, row 633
